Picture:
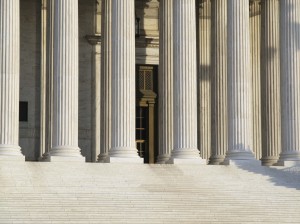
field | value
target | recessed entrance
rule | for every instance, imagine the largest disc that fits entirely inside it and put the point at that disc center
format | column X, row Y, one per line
column 146, row 112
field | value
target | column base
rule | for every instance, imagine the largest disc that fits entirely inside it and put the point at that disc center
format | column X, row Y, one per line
column 288, row 163
column 269, row 161
column 64, row 154
column 127, row 160
column 103, row 158
column 123, row 152
column 242, row 162
column 163, row 159
column 289, row 156
column 198, row 161
column 44, row 157
column 240, row 158
column 239, row 155
column 185, row 153
column 124, row 155
column 216, row 160
column 11, row 153
column 186, row 156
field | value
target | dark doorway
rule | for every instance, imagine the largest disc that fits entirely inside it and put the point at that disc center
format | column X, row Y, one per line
column 146, row 112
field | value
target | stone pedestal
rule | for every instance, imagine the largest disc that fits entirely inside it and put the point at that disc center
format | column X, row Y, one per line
column 65, row 100
column 219, row 81
column 123, row 146
column 185, row 77
column 106, row 69
column 165, row 88
column 270, row 82
column 240, row 120
column 9, row 80
column 290, row 79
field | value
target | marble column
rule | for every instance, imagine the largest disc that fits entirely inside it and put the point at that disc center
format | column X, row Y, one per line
column 65, row 89
column 255, row 37
column 9, row 79
column 96, row 111
column 204, row 78
column 290, row 79
column 185, row 83
column 47, row 92
column 165, row 88
column 240, row 120
column 43, row 71
column 123, row 146
column 106, row 69
column 270, row 82
column 219, row 122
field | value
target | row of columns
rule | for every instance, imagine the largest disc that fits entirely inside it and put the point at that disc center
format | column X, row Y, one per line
column 232, row 129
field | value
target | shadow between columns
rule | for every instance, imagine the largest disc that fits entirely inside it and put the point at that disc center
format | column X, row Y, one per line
column 288, row 177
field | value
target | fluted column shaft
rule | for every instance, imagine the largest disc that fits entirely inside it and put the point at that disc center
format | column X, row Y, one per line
column 219, row 81
column 290, row 78
column 9, row 78
column 49, row 77
column 106, row 80
column 185, row 77
column 65, row 100
column 204, row 80
column 270, row 82
column 239, row 81
column 255, row 34
column 165, row 88
column 123, row 80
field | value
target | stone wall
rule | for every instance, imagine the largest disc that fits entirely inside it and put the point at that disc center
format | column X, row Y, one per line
column 30, row 73
column 86, row 27
column 30, row 14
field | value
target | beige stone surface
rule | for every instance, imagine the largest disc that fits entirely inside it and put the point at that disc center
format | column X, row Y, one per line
column 204, row 78
column 114, row 193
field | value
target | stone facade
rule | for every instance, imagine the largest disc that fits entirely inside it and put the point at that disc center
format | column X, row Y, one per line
column 224, row 108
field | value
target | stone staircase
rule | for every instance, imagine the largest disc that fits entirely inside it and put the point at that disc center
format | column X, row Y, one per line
column 131, row 193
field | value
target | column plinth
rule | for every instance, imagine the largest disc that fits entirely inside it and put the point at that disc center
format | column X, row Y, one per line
column 240, row 120
column 123, row 146
column 270, row 82
column 9, row 80
column 165, row 89
column 219, row 82
column 185, row 83
column 65, row 83
column 290, row 79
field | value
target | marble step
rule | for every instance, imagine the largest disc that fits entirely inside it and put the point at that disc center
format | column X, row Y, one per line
column 107, row 193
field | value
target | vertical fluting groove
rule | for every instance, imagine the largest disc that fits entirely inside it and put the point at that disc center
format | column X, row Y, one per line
column 106, row 71
column 123, row 80
column 204, row 80
column 65, row 101
column 165, row 90
column 43, row 114
column 9, row 77
column 185, row 77
column 240, row 119
column 255, row 33
column 290, row 79
column 49, row 74
column 270, row 82
column 219, row 143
